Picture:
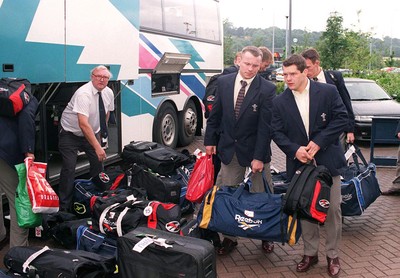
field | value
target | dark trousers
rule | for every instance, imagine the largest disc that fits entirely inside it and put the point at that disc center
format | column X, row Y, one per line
column 69, row 145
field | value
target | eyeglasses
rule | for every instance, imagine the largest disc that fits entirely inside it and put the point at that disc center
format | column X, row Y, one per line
column 100, row 77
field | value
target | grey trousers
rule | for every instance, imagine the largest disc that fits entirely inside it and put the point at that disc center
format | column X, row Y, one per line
column 233, row 174
column 8, row 185
column 333, row 226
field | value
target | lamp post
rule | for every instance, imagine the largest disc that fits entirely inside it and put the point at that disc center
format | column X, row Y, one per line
column 289, row 39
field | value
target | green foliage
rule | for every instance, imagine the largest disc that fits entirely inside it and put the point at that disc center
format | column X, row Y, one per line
column 280, row 87
column 333, row 45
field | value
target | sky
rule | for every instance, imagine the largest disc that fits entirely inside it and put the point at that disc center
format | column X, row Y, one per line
column 380, row 17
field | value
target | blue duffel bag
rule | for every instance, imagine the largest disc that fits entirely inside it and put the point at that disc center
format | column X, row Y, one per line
column 96, row 242
column 237, row 212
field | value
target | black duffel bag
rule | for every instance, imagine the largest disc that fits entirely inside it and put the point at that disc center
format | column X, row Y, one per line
column 34, row 261
column 158, row 188
column 159, row 158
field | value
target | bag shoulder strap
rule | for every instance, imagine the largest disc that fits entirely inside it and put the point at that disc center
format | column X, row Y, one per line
column 296, row 187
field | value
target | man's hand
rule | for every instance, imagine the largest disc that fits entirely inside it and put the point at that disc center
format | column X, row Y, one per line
column 350, row 137
column 30, row 155
column 211, row 150
column 303, row 155
column 257, row 166
column 101, row 154
column 312, row 149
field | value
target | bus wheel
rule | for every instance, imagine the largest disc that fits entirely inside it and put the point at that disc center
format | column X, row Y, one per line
column 165, row 126
column 187, row 124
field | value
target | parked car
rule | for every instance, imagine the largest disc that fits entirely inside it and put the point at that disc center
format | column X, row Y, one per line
column 369, row 100
column 279, row 74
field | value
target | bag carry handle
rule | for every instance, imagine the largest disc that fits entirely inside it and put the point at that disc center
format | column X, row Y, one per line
column 240, row 189
column 31, row 258
column 358, row 154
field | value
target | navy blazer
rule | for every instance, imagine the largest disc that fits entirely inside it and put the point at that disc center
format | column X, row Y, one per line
column 327, row 120
column 250, row 135
column 336, row 78
column 17, row 135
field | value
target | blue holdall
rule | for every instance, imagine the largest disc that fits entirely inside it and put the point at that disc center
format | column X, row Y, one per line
column 96, row 242
column 237, row 212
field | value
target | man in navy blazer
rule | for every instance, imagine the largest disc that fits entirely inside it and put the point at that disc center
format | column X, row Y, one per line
column 308, row 118
column 333, row 77
column 245, row 137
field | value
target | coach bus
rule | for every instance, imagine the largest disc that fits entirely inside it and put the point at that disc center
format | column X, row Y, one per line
column 160, row 53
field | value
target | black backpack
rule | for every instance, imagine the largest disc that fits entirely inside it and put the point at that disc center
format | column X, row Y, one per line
column 15, row 94
column 308, row 193
column 209, row 96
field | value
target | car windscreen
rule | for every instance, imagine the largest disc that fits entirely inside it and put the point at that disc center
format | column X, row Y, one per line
column 366, row 91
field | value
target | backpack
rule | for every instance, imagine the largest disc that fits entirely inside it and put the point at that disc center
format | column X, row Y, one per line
column 210, row 93
column 308, row 193
column 15, row 94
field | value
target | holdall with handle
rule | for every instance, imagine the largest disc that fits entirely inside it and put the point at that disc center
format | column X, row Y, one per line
column 159, row 158
column 145, row 252
column 238, row 212
column 360, row 187
column 92, row 241
column 158, row 188
column 34, row 261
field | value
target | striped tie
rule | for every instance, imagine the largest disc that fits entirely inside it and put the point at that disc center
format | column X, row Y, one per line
column 240, row 98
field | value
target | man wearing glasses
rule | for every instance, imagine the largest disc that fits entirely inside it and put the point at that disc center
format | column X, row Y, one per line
column 83, row 128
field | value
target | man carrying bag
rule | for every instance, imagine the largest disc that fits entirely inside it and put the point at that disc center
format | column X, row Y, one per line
column 308, row 118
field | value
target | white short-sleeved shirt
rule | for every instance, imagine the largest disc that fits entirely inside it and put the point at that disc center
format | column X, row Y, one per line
column 85, row 101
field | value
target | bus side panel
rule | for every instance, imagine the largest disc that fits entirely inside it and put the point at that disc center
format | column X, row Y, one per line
column 37, row 61
column 61, row 41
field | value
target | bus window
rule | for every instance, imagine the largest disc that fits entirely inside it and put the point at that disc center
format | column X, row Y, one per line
column 207, row 14
column 179, row 17
column 151, row 14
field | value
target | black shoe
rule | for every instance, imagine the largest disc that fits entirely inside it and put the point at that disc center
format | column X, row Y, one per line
column 227, row 246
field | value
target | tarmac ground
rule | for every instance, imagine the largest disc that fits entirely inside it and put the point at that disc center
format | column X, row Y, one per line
column 370, row 245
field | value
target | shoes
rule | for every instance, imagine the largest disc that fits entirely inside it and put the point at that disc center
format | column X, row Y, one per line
column 267, row 246
column 306, row 263
column 391, row 192
column 333, row 267
column 227, row 246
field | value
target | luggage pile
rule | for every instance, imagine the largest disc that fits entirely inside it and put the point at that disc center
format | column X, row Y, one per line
column 139, row 204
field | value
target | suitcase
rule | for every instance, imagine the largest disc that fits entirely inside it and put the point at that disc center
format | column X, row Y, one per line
column 185, row 256
column 158, row 188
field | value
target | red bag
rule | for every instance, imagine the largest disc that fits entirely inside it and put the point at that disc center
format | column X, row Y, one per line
column 201, row 179
column 43, row 198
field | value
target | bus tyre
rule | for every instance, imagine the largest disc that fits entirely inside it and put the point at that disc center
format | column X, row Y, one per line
column 187, row 124
column 165, row 126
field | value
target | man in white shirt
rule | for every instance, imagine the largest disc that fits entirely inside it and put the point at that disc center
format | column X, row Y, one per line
column 80, row 131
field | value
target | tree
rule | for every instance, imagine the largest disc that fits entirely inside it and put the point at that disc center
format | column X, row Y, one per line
column 332, row 45
column 358, row 56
